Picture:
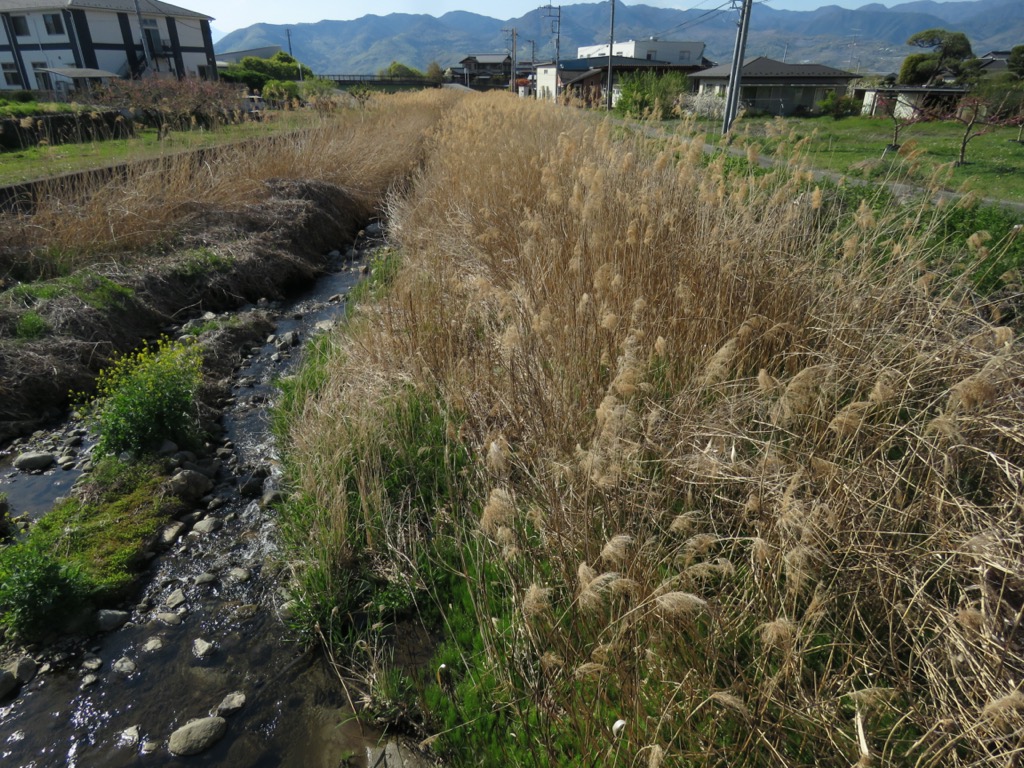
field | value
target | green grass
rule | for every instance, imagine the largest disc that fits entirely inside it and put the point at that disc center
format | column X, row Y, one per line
column 32, row 108
column 88, row 551
column 95, row 290
column 44, row 161
column 855, row 145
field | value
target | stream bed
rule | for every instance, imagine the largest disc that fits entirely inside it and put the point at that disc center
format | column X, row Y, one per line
column 207, row 624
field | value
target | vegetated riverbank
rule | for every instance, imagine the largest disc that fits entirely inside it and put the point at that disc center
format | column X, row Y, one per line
column 95, row 269
column 680, row 460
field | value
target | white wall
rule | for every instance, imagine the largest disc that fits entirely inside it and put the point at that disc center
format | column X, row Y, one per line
column 672, row 51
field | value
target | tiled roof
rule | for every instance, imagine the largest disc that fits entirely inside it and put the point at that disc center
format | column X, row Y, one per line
column 124, row 6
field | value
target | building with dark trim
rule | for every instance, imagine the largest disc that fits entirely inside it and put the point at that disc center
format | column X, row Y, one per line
column 55, row 45
column 775, row 87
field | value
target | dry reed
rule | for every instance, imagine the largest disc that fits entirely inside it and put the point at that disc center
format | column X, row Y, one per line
column 651, row 335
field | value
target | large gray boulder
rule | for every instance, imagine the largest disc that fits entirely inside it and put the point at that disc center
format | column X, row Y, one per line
column 33, row 460
column 197, row 736
column 190, row 485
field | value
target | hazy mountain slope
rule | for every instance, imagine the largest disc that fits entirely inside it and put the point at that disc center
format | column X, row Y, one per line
column 869, row 39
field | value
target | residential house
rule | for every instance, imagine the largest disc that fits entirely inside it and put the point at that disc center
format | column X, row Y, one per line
column 586, row 77
column 775, row 87
column 485, row 70
column 57, row 45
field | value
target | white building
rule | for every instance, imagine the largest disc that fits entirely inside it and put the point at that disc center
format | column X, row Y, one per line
column 56, row 44
column 670, row 51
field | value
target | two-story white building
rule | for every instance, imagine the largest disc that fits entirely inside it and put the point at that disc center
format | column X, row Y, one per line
column 675, row 52
column 56, row 44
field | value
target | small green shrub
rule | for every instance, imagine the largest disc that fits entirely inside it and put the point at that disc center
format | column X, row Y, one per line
column 646, row 94
column 37, row 593
column 146, row 397
column 199, row 262
column 31, row 325
column 838, row 106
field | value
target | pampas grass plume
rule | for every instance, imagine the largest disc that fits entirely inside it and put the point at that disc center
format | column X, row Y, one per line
column 679, row 604
column 616, row 548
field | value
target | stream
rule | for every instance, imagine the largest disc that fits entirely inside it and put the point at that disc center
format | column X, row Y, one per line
column 206, row 623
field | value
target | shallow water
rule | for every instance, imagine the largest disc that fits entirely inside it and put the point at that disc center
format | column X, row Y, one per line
column 295, row 713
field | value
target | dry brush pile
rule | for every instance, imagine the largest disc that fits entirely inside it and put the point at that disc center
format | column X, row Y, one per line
column 747, row 474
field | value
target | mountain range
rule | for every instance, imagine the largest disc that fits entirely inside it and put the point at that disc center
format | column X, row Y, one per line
column 869, row 40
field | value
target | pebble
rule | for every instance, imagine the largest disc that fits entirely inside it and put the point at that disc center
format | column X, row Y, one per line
column 125, row 666
column 231, row 704
column 92, row 664
column 171, row 619
column 175, row 600
column 239, row 574
column 129, row 737
column 209, row 525
column 204, row 578
column 201, row 648
column 153, row 644
column 88, row 680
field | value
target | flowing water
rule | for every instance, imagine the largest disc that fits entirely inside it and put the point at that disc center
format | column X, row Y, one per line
column 84, row 708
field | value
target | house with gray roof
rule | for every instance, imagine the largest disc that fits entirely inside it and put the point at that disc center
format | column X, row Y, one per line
column 775, row 87
column 58, row 45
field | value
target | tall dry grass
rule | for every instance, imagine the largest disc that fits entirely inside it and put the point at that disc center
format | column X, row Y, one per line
column 750, row 473
column 366, row 151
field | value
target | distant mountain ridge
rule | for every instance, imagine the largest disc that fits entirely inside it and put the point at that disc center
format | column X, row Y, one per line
column 870, row 39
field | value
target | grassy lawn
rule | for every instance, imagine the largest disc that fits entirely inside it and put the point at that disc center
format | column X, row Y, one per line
column 855, row 145
column 44, row 161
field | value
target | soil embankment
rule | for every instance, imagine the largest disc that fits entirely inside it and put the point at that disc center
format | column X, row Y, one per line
column 221, row 260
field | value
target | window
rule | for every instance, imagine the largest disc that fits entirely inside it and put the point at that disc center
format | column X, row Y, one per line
column 149, row 23
column 20, row 25
column 11, row 74
column 54, row 23
column 43, row 81
column 651, row 55
column 684, row 56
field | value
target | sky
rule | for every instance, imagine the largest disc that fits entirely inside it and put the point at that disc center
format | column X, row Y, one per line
column 230, row 15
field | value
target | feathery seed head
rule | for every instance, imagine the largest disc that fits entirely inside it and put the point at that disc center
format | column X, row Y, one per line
column 616, row 549
column 537, row 601
column 498, row 511
column 778, row 635
column 679, row 604
column 731, row 702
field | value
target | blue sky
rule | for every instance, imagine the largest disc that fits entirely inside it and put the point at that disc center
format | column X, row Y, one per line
column 230, row 15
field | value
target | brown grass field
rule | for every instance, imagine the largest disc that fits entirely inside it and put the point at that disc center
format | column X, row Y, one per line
column 743, row 472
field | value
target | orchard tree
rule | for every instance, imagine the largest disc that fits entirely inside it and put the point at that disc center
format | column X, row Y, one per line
column 949, row 50
column 1016, row 61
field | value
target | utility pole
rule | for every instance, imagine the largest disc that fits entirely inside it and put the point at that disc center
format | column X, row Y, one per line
column 611, row 46
column 289, row 33
column 555, row 14
column 735, row 75
column 512, row 81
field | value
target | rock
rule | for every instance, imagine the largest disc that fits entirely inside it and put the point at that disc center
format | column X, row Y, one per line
column 201, row 648
column 287, row 340
column 92, row 664
column 34, row 460
column 129, row 737
column 167, row 448
column 150, row 747
column 239, row 574
column 209, row 525
column 108, row 620
column 396, row 755
column 250, row 486
column 175, row 600
column 204, row 578
column 88, row 680
column 66, row 462
column 190, row 485
column 170, row 533
column 197, row 736
column 24, row 669
column 325, row 325
column 288, row 610
column 153, row 645
column 125, row 666
column 8, row 684
column 231, row 704
column 171, row 619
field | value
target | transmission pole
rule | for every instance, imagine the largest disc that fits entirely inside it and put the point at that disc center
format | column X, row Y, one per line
column 736, row 72
column 611, row 46
column 555, row 14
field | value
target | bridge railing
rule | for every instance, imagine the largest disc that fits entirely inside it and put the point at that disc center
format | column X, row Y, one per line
column 377, row 80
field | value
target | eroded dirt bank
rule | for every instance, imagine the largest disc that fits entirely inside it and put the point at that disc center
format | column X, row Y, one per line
column 222, row 259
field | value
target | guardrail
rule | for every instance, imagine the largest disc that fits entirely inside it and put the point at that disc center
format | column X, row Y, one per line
column 378, row 80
